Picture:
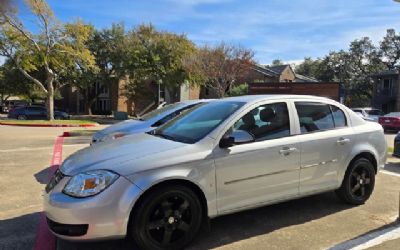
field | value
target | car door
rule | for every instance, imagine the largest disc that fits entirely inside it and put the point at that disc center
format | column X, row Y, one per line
column 36, row 113
column 261, row 171
column 324, row 145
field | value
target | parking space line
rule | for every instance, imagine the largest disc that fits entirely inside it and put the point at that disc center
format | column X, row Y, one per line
column 389, row 173
column 45, row 240
column 370, row 240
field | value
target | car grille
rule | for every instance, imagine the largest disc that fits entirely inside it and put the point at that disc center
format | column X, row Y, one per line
column 57, row 177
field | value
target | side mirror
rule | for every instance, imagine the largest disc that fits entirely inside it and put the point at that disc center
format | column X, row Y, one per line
column 236, row 138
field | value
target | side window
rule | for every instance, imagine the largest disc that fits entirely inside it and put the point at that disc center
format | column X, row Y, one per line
column 266, row 122
column 338, row 117
column 314, row 116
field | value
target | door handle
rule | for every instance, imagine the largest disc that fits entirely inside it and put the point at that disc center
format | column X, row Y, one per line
column 286, row 151
column 343, row 141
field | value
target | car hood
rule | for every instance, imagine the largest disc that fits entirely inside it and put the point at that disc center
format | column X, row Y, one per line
column 120, row 155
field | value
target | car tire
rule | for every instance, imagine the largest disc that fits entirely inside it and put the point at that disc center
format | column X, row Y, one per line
column 358, row 183
column 21, row 117
column 168, row 217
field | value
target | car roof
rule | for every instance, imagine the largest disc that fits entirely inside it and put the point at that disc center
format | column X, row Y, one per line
column 255, row 98
column 367, row 108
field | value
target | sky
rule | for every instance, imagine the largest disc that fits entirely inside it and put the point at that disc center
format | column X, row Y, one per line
column 274, row 29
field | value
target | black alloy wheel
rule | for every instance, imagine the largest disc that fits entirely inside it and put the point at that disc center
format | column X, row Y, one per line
column 358, row 183
column 167, row 218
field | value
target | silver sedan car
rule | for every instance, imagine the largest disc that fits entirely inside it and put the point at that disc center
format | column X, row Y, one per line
column 146, row 122
column 218, row 158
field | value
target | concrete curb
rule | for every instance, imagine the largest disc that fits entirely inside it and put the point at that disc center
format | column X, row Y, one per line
column 50, row 125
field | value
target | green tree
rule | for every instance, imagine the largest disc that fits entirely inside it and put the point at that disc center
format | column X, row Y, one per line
column 277, row 62
column 156, row 56
column 390, row 49
column 54, row 49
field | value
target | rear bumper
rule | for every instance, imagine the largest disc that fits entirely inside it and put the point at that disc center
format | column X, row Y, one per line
column 390, row 127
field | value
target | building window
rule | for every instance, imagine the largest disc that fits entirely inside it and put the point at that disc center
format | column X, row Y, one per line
column 387, row 87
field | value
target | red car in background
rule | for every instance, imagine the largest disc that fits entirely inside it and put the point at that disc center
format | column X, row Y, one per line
column 390, row 121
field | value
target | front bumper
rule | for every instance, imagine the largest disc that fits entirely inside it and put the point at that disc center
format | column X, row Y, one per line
column 103, row 216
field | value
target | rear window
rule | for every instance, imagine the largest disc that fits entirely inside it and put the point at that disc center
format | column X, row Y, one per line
column 314, row 116
column 338, row 117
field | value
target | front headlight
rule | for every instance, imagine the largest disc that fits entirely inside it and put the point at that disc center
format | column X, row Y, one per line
column 89, row 183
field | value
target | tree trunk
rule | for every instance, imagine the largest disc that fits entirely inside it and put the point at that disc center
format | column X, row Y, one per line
column 50, row 99
column 88, row 106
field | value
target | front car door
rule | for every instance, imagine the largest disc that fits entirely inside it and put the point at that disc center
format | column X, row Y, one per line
column 261, row 171
column 326, row 140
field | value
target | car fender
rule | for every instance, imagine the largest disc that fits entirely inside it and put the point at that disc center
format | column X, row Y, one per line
column 358, row 148
column 202, row 175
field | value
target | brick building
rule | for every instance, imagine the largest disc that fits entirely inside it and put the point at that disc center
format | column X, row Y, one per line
column 110, row 98
column 386, row 91
column 266, row 74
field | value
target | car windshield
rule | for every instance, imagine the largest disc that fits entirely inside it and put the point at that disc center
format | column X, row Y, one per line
column 159, row 111
column 196, row 123
column 374, row 112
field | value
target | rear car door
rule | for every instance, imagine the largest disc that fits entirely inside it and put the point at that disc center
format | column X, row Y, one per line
column 326, row 140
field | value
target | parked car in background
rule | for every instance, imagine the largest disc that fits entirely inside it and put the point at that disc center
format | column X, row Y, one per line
column 6, row 106
column 34, row 113
column 369, row 114
column 146, row 122
column 390, row 121
column 217, row 158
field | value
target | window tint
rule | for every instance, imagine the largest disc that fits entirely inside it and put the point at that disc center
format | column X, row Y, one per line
column 314, row 116
column 338, row 117
column 265, row 122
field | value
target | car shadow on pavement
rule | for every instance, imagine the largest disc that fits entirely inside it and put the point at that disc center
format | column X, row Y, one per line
column 77, row 140
column 44, row 175
column 243, row 225
column 19, row 232
column 392, row 166
column 235, row 227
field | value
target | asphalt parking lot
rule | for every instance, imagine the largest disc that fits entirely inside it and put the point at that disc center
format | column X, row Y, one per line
column 316, row 222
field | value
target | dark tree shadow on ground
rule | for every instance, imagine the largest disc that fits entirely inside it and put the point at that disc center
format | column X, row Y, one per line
column 235, row 227
column 19, row 232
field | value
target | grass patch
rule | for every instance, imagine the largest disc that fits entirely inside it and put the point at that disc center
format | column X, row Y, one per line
column 46, row 122
column 390, row 150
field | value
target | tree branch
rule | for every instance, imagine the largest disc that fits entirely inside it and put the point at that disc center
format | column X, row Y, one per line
column 23, row 32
